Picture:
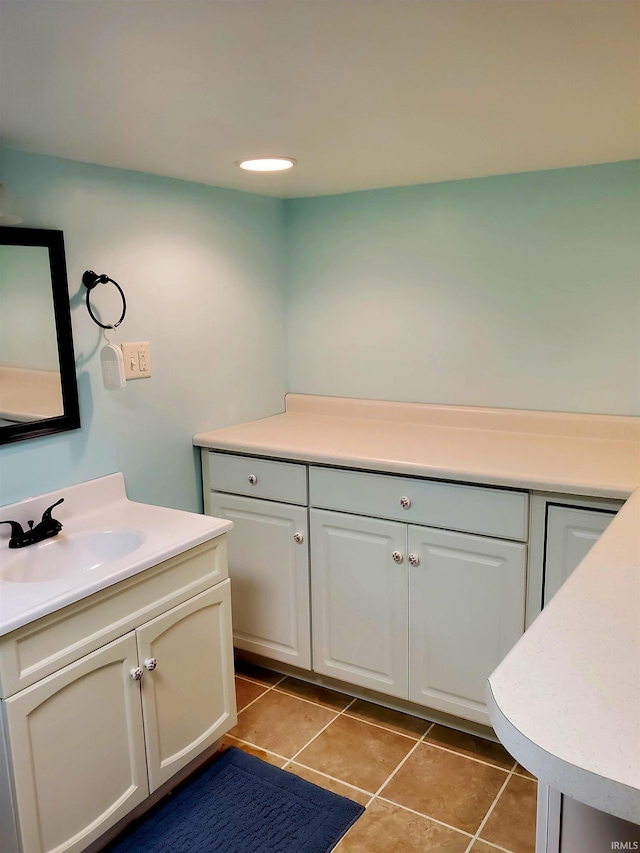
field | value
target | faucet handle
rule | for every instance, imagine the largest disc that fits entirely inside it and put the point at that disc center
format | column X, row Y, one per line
column 47, row 513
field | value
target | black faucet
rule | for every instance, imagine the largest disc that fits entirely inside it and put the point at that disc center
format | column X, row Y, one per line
column 45, row 529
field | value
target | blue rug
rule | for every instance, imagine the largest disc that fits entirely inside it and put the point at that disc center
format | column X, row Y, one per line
column 240, row 804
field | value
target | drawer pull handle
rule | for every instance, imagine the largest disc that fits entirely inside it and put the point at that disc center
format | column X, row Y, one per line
column 151, row 664
column 298, row 537
column 397, row 557
column 252, row 479
column 137, row 674
column 405, row 502
column 414, row 560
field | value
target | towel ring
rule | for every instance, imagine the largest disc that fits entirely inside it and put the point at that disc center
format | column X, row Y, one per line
column 90, row 279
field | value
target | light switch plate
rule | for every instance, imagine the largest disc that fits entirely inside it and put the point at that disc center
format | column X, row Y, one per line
column 137, row 360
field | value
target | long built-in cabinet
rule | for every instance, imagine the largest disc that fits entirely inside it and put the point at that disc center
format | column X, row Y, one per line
column 105, row 700
column 410, row 587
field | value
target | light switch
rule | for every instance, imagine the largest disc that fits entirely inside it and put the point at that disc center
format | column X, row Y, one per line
column 137, row 360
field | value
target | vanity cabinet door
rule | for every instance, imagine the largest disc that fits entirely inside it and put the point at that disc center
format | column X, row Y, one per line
column 268, row 556
column 571, row 533
column 359, row 595
column 77, row 749
column 188, row 698
column 466, row 611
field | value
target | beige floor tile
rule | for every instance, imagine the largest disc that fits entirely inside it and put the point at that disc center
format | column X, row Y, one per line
column 256, row 673
column 281, row 723
column 329, row 784
column 512, row 823
column 356, row 752
column 247, row 691
column 276, row 760
column 475, row 747
column 385, row 828
column 446, row 786
column 315, row 693
column 405, row 724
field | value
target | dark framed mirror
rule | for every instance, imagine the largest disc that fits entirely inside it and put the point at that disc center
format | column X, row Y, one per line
column 38, row 389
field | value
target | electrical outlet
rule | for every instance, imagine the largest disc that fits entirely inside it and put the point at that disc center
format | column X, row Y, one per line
column 137, row 360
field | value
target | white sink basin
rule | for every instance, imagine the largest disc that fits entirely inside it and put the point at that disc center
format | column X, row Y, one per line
column 105, row 539
column 66, row 555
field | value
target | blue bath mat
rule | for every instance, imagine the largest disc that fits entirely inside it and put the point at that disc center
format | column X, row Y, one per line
column 240, row 804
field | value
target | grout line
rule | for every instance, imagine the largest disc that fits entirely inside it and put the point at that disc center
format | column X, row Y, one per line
column 470, row 757
column 427, row 817
column 327, row 776
column 317, row 734
column 267, row 689
column 493, row 846
column 254, row 746
column 386, row 728
column 400, row 764
column 489, row 812
column 310, row 701
column 523, row 776
column 375, row 795
column 257, row 681
column 253, row 701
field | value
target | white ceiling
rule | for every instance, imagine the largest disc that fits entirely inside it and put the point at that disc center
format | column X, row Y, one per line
column 363, row 94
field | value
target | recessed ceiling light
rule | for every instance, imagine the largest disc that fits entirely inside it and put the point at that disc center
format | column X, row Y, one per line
column 267, row 164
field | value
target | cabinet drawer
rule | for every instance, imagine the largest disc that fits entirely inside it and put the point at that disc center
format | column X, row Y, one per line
column 258, row 478
column 493, row 512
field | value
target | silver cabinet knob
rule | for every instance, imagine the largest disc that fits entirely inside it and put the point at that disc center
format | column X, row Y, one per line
column 252, row 479
column 413, row 559
column 298, row 537
column 137, row 674
column 405, row 502
column 397, row 557
column 151, row 664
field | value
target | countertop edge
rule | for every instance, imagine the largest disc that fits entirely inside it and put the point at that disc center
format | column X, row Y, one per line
column 461, row 475
column 593, row 790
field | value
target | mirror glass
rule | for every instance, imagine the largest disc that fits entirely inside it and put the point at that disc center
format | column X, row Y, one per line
column 38, row 393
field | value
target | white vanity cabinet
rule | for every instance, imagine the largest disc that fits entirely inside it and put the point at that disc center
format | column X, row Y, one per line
column 77, row 750
column 268, row 552
column 408, row 610
column 105, row 700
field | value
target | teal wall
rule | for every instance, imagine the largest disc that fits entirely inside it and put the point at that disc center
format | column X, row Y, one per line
column 202, row 271
column 514, row 291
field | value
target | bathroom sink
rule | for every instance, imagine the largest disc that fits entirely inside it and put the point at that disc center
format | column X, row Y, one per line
column 70, row 554
column 105, row 539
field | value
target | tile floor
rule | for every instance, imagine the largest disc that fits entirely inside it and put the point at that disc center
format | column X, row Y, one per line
column 426, row 788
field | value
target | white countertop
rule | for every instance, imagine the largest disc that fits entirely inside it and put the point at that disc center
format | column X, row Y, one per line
column 579, row 454
column 566, row 700
column 97, row 506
